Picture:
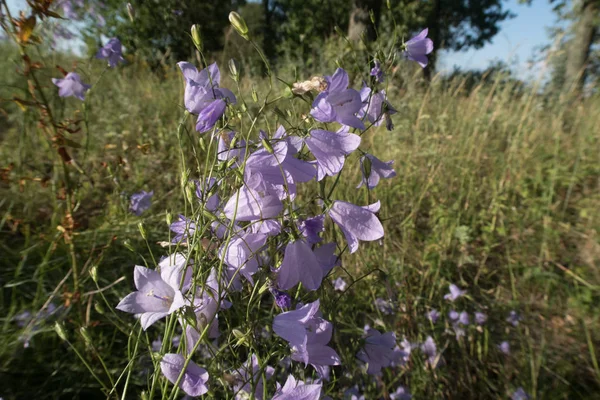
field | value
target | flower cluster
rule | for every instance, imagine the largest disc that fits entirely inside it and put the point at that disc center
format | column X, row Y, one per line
column 250, row 230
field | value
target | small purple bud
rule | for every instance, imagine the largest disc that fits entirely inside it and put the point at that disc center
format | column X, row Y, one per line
column 480, row 318
column 433, row 315
column 282, row 299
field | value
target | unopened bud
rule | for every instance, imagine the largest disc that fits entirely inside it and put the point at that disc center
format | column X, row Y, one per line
column 234, row 69
column 241, row 338
column 130, row 12
column 142, row 230
column 372, row 16
column 389, row 6
column 184, row 178
column 197, row 37
column 267, row 145
column 169, row 218
column 190, row 193
column 239, row 24
column 60, row 330
column 99, row 308
column 94, row 273
column 254, row 95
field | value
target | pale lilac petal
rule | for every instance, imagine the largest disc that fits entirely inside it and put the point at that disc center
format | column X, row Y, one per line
column 299, row 264
column 194, row 380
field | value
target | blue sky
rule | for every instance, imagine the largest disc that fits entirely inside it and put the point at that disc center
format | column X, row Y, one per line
column 516, row 42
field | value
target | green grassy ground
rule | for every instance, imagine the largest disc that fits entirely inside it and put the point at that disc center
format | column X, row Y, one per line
column 497, row 191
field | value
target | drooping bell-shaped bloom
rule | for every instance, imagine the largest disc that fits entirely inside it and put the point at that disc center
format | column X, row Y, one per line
column 418, row 47
column 520, row 394
column 195, row 379
column 455, row 293
column 504, row 347
column 226, row 152
column 206, row 193
column 310, row 228
column 242, row 256
column 183, row 228
column 299, row 265
column 480, row 318
column 250, row 205
column 269, row 227
column 400, row 357
column 513, row 318
column 433, row 316
column 377, row 351
column 308, row 335
column 331, row 148
column 112, row 51
column 375, row 107
column 249, row 373
column 357, row 223
column 203, row 96
column 297, row 390
column 158, row 293
column 316, row 352
column 338, row 103
column 71, row 85
column 401, row 394
column 140, row 202
column 385, row 307
column 429, row 348
column 373, row 169
column 339, row 284
column 377, row 72
column 326, row 257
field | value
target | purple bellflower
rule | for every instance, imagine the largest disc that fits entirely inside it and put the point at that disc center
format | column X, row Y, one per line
column 183, row 228
column 112, row 52
column 224, row 150
column 71, row 85
column 377, row 351
column 357, row 223
column 433, row 316
column 504, row 347
column 308, row 335
column 430, row 350
column 353, row 394
column 373, row 169
column 401, row 394
column 513, row 318
column 455, row 293
column 418, row 47
column 377, row 72
column 339, row 284
column 249, row 205
column 203, row 96
column 282, row 299
column 376, row 107
column 338, row 103
column 158, row 293
column 520, row 394
column 326, row 257
column 311, row 228
column 203, row 193
column 297, row 390
column 194, row 380
column 251, row 372
column 331, row 148
column 241, row 256
column 385, row 307
column 299, row 265
column 480, row 318
column 140, row 202
column 399, row 357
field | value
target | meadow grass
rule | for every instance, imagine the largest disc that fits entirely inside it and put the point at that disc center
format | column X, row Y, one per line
column 497, row 190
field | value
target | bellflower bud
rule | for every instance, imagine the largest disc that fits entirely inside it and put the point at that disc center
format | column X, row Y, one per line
column 234, row 69
column 60, row 331
column 197, row 37
column 142, row 230
column 239, row 24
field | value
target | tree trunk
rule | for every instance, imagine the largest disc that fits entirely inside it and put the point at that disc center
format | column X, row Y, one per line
column 433, row 23
column 360, row 20
column 584, row 29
